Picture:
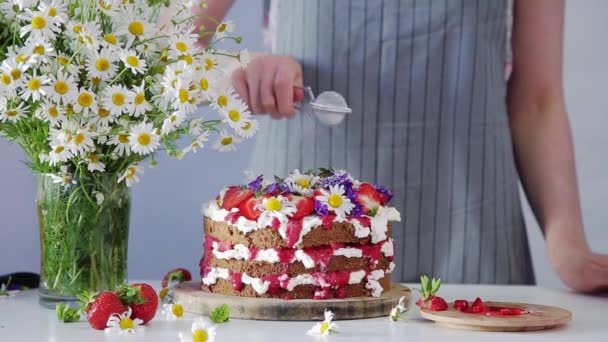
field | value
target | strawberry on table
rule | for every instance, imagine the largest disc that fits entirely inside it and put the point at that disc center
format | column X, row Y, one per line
column 179, row 275
column 429, row 300
column 305, row 206
column 369, row 198
column 141, row 298
column 234, row 196
column 100, row 307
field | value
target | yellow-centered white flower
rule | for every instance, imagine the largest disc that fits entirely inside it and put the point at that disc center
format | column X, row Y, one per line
column 201, row 331
column 101, row 65
column 117, row 99
column 121, row 141
column 276, row 207
column 133, row 62
column 235, row 113
column 140, row 104
column 326, row 327
column 51, row 113
column 224, row 29
column 226, row 142
column 13, row 114
column 94, row 163
column 34, row 87
column 123, row 323
column 130, row 176
column 336, row 200
column 302, row 184
column 62, row 88
column 86, row 103
column 173, row 311
column 143, row 138
column 39, row 26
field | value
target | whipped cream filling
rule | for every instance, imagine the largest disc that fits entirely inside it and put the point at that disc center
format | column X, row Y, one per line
column 377, row 229
column 261, row 287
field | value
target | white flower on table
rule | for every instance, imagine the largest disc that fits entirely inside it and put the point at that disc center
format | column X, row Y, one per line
column 326, row 327
column 173, row 311
column 123, row 324
column 201, row 332
column 396, row 312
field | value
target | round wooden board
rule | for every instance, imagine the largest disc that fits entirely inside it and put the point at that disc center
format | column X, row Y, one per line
column 196, row 301
column 541, row 317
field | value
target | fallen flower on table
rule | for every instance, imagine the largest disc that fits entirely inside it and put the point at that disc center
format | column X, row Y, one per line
column 173, row 311
column 326, row 327
column 396, row 312
column 201, row 331
column 123, row 324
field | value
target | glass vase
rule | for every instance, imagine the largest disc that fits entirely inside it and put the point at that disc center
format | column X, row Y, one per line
column 84, row 230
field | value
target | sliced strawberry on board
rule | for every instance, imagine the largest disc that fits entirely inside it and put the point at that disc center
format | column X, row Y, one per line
column 179, row 274
column 248, row 208
column 369, row 198
column 234, row 196
column 461, row 304
column 305, row 206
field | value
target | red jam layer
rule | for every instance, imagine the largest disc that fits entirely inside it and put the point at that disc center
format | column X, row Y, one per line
column 478, row 307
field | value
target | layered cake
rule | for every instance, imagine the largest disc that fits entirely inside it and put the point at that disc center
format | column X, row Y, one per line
column 319, row 234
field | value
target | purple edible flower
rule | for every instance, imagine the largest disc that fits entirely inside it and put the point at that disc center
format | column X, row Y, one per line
column 357, row 210
column 321, row 209
column 277, row 189
column 256, row 184
column 337, row 179
column 384, row 191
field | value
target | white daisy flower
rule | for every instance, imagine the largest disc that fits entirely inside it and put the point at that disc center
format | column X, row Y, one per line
column 222, row 96
column 196, row 144
column 110, row 41
column 336, row 200
column 94, row 163
column 173, row 311
column 326, row 327
column 180, row 45
column 122, row 144
column 8, row 85
column 86, row 103
column 396, row 312
column 205, row 81
column 13, row 114
column 34, row 87
column 209, row 61
column 101, row 65
column 185, row 100
column 143, row 138
column 117, row 99
column 109, row 7
column 41, row 50
column 244, row 58
column 195, row 127
column 81, row 142
column 223, row 29
column 130, row 175
column 123, row 324
column 62, row 88
column 248, row 129
column 301, row 183
column 226, row 142
column 102, row 134
column 62, row 61
column 89, row 35
column 59, row 154
column 40, row 26
column 140, row 104
column 54, row 9
column 235, row 113
column 102, row 117
column 64, row 178
column 200, row 331
column 279, row 207
column 15, row 69
column 99, row 197
column 132, row 26
column 171, row 123
column 132, row 61
column 175, row 75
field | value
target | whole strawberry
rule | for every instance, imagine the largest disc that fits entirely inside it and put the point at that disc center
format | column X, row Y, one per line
column 179, row 275
column 428, row 289
column 100, row 307
column 141, row 298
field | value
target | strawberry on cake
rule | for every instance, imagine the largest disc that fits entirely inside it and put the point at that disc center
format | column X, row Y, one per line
column 319, row 234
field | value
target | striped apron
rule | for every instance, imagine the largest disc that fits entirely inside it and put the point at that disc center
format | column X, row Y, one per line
column 426, row 82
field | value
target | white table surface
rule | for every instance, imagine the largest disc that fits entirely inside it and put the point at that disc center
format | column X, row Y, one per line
column 23, row 319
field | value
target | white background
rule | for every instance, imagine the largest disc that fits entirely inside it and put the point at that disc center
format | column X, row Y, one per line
column 166, row 221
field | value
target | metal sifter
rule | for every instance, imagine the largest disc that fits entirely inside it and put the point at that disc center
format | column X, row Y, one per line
column 330, row 108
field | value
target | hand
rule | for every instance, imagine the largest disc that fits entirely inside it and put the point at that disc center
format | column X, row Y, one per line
column 267, row 85
column 578, row 267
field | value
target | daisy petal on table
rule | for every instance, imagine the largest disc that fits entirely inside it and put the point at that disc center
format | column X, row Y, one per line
column 201, row 331
column 123, row 324
column 324, row 328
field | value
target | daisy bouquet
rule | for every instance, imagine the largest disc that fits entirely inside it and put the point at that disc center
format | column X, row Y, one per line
column 91, row 89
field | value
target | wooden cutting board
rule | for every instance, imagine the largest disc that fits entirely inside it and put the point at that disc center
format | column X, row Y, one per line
column 541, row 317
column 194, row 300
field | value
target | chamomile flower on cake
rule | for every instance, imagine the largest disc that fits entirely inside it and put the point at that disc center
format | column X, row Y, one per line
column 13, row 113
column 302, row 184
column 140, row 104
column 224, row 28
column 94, row 163
column 226, row 142
column 336, row 200
column 132, row 61
column 123, row 323
column 81, row 142
column 85, row 103
column 130, row 176
column 122, row 143
column 101, row 65
column 199, row 332
column 143, row 138
column 39, row 25
column 326, row 327
column 62, row 89
column 117, row 99
column 34, row 87
column 276, row 207
column 235, row 113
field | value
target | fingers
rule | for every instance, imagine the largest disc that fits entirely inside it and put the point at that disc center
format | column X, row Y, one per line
column 253, row 76
column 283, row 88
column 267, row 98
column 239, row 82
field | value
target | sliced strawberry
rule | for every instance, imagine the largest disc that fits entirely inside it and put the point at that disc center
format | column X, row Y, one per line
column 478, row 303
column 368, row 197
column 305, row 206
column 235, row 196
column 461, row 304
column 248, row 208
column 437, row 304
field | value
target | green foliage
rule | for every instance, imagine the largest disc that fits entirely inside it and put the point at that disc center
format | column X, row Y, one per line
column 66, row 314
column 429, row 287
column 129, row 295
column 221, row 314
